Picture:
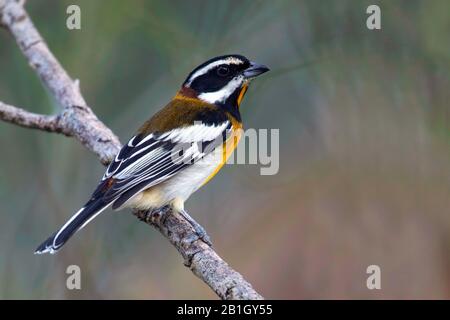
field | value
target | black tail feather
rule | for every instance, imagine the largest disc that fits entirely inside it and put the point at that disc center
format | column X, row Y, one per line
column 78, row 221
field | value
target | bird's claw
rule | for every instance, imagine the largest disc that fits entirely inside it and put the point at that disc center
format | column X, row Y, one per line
column 202, row 235
column 199, row 230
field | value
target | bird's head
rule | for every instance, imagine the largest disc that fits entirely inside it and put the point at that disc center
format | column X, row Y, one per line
column 223, row 79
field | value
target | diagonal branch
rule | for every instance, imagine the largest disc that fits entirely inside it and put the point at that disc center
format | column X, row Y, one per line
column 78, row 120
column 77, row 117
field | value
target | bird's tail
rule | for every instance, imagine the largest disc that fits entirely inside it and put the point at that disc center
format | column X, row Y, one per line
column 92, row 209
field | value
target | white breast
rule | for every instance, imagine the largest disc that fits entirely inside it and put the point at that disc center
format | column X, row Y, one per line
column 180, row 187
column 189, row 180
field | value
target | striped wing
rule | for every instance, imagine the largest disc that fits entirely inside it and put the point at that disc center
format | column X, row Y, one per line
column 148, row 160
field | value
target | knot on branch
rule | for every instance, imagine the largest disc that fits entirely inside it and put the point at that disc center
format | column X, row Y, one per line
column 7, row 15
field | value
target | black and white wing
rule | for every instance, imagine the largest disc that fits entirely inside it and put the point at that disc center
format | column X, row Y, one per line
column 148, row 160
column 143, row 162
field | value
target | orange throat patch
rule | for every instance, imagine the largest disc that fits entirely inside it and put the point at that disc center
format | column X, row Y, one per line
column 242, row 94
column 228, row 147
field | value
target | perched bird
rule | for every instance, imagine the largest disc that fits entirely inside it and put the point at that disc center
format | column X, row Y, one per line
column 176, row 151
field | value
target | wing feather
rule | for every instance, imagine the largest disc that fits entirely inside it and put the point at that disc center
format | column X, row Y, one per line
column 146, row 161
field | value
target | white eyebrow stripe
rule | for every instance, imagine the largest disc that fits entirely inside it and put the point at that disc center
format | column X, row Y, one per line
column 205, row 69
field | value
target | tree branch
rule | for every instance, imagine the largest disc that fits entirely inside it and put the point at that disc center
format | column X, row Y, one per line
column 78, row 120
column 31, row 120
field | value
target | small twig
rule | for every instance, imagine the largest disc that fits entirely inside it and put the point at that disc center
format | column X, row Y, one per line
column 78, row 120
column 31, row 120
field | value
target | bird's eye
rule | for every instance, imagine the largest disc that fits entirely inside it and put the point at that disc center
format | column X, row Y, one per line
column 223, row 71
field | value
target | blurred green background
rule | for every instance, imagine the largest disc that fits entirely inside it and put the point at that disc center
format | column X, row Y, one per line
column 364, row 151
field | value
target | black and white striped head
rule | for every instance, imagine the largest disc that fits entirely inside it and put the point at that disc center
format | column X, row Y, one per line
column 220, row 78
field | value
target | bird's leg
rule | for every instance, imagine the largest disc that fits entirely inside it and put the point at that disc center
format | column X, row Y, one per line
column 199, row 230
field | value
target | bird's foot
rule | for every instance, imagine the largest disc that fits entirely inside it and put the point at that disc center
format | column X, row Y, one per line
column 155, row 215
column 201, row 233
column 199, row 230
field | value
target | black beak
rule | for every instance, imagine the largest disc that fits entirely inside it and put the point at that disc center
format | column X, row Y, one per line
column 255, row 70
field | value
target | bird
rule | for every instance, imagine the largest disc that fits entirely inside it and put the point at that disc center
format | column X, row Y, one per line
column 177, row 151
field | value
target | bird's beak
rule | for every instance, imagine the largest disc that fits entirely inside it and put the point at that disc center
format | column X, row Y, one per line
column 255, row 70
